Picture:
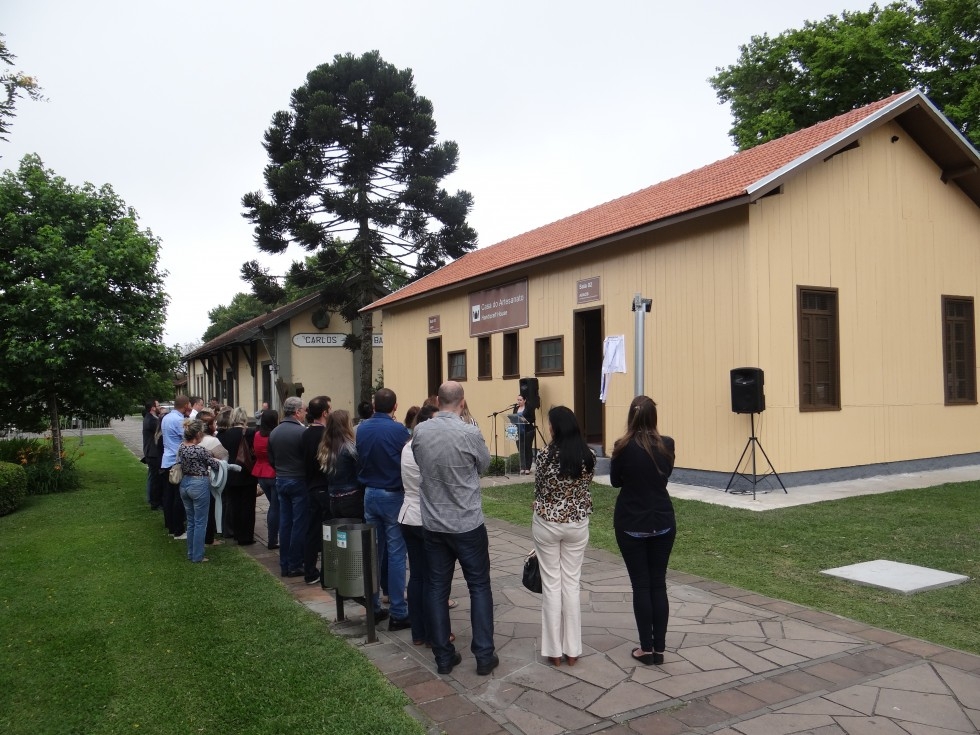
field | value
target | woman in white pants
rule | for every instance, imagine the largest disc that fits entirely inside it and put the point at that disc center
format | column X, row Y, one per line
column 560, row 528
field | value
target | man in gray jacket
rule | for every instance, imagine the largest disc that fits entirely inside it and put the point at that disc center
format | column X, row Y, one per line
column 451, row 455
column 286, row 458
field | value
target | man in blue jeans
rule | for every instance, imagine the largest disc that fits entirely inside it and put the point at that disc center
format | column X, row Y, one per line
column 286, row 458
column 380, row 440
column 451, row 455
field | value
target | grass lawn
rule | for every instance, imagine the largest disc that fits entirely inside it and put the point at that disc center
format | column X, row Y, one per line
column 780, row 553
column 107, row 628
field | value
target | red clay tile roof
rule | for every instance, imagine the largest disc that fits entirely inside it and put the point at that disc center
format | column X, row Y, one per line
column 717, row 182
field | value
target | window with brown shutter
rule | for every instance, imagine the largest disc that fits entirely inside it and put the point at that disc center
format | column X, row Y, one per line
column 959, row 351
column 819, row 350
column 512, row 356
column 484, row 364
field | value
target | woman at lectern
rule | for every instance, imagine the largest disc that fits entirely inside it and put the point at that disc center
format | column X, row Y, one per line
column 525, row 435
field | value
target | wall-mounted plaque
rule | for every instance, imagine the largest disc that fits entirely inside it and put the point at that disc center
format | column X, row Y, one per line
column 587, row 290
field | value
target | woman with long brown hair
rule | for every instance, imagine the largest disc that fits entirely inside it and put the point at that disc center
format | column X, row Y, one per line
column 642, row 460
column 338, row 459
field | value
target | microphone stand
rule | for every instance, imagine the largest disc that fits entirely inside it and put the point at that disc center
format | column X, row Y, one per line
column 494, row 417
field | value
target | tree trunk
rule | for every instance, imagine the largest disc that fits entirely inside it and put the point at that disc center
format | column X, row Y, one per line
column 367, row 356
column 55, row 427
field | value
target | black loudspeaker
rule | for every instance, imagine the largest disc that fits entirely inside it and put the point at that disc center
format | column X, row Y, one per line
column 747, row 393
column 529, row 392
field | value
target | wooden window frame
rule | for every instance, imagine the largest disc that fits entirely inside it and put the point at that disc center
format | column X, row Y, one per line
column 538, row 344
column 959, row 353
column 807, row 317
column 449, row 365
column 484, row 358
column 512, row 355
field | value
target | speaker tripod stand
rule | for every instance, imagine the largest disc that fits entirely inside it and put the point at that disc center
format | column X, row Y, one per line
column 750, row 446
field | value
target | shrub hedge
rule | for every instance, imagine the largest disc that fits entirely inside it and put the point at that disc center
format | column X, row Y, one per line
column 44, row 474
column 13, row 487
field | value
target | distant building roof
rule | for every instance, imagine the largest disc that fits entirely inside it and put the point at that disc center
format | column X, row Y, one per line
column 250, row 330
column 738, row 179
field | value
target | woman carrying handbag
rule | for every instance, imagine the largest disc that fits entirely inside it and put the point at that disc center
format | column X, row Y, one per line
column 560, row 529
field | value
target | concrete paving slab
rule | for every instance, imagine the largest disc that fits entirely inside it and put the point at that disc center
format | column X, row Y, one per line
column 896, row 576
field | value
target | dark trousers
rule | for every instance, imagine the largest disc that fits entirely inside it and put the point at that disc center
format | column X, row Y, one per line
column 173, row 506
column 242, row 499
column 646, row 562
column 212, row 529
column 155, row 482
column 418, row 582
column 525, row 442
column 318, row 511
column 472, row 550
column 348, row 506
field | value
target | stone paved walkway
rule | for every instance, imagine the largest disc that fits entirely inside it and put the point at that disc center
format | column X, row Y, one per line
column 737, row 663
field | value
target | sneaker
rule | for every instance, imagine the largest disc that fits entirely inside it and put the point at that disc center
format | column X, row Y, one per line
column 487, row 666
column 448, row 668
column 312, row 580
column 182, row 537
column 399, row 624
column 380, row 615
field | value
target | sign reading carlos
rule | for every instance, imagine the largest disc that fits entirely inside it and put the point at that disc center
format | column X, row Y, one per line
column 499, row 309
column 328, row 339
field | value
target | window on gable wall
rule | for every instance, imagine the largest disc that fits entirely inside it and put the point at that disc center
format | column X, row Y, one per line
column 819, row 349
column 959, row 351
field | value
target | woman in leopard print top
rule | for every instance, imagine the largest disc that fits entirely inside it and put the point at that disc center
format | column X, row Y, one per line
column 560, row 528
column 195, row 489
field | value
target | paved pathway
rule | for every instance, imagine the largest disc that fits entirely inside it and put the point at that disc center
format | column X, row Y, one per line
column 737, row 663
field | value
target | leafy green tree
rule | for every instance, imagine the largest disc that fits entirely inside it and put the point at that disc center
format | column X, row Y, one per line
column 803, row 76
column 354, row 177
column 243, row 307
column 15, row 84
column 82, row 303
column 949, row 60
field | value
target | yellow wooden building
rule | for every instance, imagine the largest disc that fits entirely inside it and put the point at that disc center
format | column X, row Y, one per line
column 293, row 350
column 842, row 260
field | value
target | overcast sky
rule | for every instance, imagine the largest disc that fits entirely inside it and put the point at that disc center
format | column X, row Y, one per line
column 556, row 107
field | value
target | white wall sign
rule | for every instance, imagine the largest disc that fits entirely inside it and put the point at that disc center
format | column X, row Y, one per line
column 328, row 339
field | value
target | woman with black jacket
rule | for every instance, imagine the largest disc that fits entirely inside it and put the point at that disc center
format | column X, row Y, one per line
column 241, row 486
column 642, row 460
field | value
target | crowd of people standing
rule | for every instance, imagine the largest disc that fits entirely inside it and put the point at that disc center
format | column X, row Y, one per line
column 418, row 484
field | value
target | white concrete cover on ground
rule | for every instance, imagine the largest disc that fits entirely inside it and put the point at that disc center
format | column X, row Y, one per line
column 895, row 576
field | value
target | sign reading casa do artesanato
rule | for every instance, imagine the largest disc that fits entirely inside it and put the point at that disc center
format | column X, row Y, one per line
column 499, row 309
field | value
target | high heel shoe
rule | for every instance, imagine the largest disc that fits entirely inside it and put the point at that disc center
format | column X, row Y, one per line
column 572, row 660
column 555, row 660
